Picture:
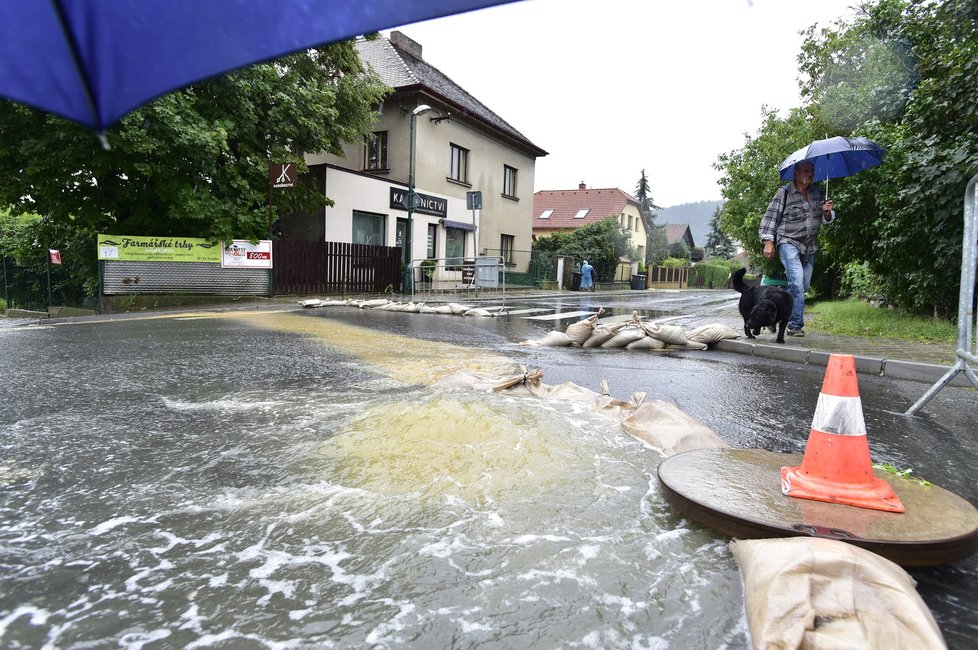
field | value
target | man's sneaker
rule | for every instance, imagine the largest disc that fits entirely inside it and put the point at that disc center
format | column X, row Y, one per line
column 798, row 332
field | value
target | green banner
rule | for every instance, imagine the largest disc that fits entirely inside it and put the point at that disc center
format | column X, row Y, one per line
column 119, row 248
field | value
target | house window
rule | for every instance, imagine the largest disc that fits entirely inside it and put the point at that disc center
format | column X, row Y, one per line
column 629, row 222
column 545, row 214
column 432, row 231
column 509, row 181
column 506, row 248
column 582, row 213
column 454, row 247
column 368, row 228
column 458, row 169
column 375, row 151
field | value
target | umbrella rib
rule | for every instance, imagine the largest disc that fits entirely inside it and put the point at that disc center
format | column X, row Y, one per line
column 77, row 60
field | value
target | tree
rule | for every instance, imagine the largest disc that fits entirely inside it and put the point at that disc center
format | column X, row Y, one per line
column 904, row 73
column 658, row 245
column 718, row 243
column 602, row 243
column 192, row 163
column 643, row 192
column 680, row 250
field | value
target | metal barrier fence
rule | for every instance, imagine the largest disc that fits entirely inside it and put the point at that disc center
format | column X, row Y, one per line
column 967, row 346
column 480, row 276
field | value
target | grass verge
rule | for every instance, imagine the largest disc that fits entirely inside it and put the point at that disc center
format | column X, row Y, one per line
column 858, row 318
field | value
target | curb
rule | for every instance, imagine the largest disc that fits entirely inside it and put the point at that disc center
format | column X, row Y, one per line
column 909, row 370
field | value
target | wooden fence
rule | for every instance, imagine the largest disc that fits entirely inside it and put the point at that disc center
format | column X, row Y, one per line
column 662, row 277
column 311, row 267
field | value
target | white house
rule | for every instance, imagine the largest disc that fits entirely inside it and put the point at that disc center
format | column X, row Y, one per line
column 460, row 147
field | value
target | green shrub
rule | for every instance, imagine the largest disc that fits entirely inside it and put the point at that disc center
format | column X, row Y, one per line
column 674, row 263
column 708, row 274
column 859, row 282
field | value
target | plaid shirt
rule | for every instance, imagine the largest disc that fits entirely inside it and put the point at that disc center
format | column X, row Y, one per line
column 799, row 222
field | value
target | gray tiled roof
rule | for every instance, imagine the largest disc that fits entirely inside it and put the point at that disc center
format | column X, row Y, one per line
column 399, row 69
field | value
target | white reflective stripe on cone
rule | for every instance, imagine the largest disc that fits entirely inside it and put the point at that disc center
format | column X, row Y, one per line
column 842, row 416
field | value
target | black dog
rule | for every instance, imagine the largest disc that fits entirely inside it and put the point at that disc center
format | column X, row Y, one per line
column 762, row 306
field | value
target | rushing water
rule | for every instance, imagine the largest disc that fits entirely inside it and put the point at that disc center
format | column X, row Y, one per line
column 275, row 480
column 243, row 482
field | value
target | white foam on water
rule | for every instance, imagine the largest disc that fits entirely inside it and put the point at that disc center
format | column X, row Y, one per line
column 36, row 616
column 229, row 404
column 136, row 640
column 106, row 526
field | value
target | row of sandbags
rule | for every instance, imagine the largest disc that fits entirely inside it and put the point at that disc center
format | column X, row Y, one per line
column 634, row 334
column 383, row 304
column 799, row 592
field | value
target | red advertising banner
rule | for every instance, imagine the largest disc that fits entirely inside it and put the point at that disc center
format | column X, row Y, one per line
column 54, row 255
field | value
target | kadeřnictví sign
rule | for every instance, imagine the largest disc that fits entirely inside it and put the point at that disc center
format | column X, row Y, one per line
column 158, row 249
column 425, row 203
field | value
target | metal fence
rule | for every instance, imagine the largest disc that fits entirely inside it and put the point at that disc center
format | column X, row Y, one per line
column 967, row 345
column 482, row 276
column 39, row 286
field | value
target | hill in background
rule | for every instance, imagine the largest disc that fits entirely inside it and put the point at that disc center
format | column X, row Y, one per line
column 697, row 215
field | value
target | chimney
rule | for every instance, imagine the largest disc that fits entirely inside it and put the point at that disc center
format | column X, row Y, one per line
column 582, row 186
column 406, row 45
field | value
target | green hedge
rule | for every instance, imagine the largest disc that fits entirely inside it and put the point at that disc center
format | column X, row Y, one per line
column 710, row 275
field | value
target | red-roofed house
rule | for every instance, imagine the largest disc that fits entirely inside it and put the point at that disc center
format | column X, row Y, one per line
column 567, row 210
column 676, row 232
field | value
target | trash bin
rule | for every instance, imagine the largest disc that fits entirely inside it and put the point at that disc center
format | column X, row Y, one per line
column 774, row 281
column 575, row 281
column 639, row 281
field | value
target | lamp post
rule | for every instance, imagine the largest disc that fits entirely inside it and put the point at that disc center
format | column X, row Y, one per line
column 408, row 280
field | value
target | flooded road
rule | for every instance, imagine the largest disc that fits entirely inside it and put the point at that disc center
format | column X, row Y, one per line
column 290, row 479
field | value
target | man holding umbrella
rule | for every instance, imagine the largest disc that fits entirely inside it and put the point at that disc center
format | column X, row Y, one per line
column 790, row 226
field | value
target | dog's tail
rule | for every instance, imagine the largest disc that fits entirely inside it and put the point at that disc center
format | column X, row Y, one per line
column 737, row 280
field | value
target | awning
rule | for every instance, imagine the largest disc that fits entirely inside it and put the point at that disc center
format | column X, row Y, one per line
column 459, row 225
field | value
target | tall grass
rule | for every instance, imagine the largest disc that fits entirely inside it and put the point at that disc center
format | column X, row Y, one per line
column 858, row 318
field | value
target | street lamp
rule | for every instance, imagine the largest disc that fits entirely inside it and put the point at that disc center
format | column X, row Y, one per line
column 411, row 200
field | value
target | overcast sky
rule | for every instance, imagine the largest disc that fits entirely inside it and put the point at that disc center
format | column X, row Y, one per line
column 611, row 87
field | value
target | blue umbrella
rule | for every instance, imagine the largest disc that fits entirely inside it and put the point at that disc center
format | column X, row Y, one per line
column 835, row 157
column 93, row 61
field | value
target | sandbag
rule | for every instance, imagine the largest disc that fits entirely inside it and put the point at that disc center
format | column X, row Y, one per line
column 412, row 308
column 551, row 340
column 571, row 392
column 671, row 334
column 458, row 309
column 602, row 333
column 711, row 333
column 670, row 430
column 624, row 337
column 608, row 405
column 580, row 331
column 478, row 311
column 444, row 309
column 314, row 302
column 646, row 343
column 427, row 309
column 373, row 304
column 807, row 592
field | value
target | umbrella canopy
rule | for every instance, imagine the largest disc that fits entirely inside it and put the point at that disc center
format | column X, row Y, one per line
column 835, row 157
column 93, row 61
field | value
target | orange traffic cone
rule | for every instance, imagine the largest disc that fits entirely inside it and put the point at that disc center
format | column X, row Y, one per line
column 836, row 467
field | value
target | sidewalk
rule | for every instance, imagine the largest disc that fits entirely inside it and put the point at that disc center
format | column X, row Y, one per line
column 887, row 357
